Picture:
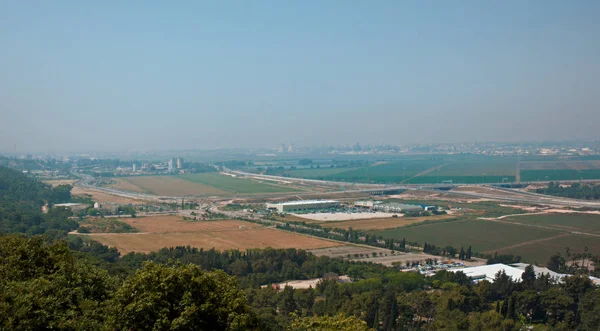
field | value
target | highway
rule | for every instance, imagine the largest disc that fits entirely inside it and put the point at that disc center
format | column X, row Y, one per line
column 495, row 193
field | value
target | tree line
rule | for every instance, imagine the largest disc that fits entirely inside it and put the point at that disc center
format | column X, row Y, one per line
column 574, row 191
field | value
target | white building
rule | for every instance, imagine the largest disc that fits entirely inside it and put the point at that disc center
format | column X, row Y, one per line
column 301, row 205
column 488, row 272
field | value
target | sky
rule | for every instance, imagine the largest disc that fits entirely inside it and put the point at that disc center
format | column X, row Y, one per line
column 154, row 75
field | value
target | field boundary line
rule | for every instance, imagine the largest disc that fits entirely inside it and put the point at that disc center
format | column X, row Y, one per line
column 540, row 227
column 525, row 243
column 424, row 172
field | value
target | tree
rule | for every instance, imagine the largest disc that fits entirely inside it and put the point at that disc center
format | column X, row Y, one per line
column 328, row 323
column 179, row 297
column 528, row 277
column 287, row 301
column 556, row 263
column 44, row 287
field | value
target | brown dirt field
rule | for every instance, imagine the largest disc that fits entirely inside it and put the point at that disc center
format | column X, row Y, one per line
column 381, row 223
column 170, row 231
column 125, row 185
column 60, row 182
column 169, row 185
column 104, row 197
column 170, row 224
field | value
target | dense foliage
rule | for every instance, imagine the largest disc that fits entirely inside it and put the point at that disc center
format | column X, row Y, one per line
column 575, row 191
column 21, row 201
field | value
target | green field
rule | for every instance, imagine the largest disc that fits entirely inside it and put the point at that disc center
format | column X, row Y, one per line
column 587, row 223
column 481, row 235
column 540, row 252
column 233, row 184
column 391, row 172
column 459, row 168
column 317, row 173
column 461, row 179
column 561, row 174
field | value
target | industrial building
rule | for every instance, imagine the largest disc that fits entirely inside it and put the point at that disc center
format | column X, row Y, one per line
column 397, row 207
column 179, row 163
column 292, row 206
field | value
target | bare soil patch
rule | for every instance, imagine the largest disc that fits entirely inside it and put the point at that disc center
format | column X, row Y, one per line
column 170, row 231
column 333, row 217
column 56, row 182
column 103, row 197
column 173, row 224
column 125, row 185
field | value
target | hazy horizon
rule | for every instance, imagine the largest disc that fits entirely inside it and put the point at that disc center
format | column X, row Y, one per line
column 158, row 76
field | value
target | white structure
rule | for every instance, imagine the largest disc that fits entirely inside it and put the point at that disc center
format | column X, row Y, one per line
column 179, row 163
column 134, row 167
column 397, row 207
column 170, row 163
column 72, row 205
column 514, row 271
column 303, row 205
column 488, row 272
column 97, row 205
column 364, row 204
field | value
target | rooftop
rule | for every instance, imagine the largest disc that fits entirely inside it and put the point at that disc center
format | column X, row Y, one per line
column 488, row 272
column 304, row 202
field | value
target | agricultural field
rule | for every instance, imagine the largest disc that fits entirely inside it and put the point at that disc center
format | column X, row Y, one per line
column 578, row 222
column 169, row 231
column 540, row 252
column 378, row 255
column 466, row 169
column 235, row 184
column 482, row 235
column 390, row 172
column 205, row 184
column 126, row 185
column 317, row 173
column 559, row 174
column 382, row 223
column 102, row 197
column 558, row 165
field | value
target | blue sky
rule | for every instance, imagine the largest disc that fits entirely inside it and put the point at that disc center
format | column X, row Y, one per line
column 121, row 75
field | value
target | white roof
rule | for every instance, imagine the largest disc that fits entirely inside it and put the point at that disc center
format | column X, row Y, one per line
column 488, row 272
column 539, row 270
column 69, row 204
column 303, row 202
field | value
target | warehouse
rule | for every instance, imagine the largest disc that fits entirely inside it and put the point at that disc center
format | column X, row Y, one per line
column 294, row 206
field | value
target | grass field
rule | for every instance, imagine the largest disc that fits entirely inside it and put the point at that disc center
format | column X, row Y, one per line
column 560, row 174
column 169, row 231
column 468, row 169
column 172, row 186
column 482, row 235
column 586, row 223
column 234, row 184
column 540, row 252
column 381, row 223
column 206, row 184
column 318, row 173
column 385, row 172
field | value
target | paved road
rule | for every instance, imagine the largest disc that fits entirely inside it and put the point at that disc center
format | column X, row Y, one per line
column 497, row 194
